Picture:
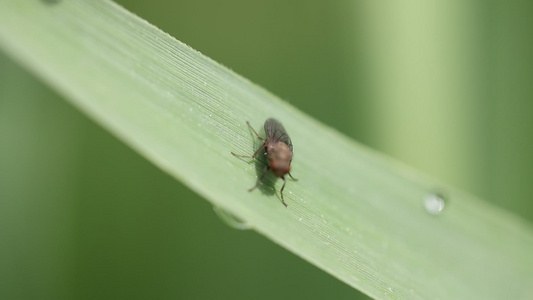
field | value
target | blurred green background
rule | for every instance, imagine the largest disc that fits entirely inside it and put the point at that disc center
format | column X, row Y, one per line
column 444, row 86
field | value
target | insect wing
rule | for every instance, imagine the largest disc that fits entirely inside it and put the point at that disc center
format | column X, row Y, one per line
column 276, row 133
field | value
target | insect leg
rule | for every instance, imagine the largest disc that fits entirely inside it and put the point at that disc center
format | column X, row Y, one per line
column 259, row 179
column 281, row 191
column 253, row 156
column 292, row 177
column 257, row 135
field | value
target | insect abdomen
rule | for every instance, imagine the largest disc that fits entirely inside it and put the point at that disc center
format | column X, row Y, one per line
column 279, row 158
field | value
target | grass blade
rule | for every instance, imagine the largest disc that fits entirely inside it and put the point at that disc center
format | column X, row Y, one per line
column 354, row 213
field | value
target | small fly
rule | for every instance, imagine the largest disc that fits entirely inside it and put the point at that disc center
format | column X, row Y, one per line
column 278, row 151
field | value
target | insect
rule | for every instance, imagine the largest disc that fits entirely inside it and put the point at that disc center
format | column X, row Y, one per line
column 278, row 151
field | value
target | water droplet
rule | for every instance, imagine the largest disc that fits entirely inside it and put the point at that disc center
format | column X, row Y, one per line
column 434, row 203
column 230, row 219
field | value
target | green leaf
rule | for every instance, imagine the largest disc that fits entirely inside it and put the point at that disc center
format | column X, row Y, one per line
column 354, row 213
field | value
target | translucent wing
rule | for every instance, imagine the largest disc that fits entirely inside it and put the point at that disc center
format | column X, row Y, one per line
column 276, row 133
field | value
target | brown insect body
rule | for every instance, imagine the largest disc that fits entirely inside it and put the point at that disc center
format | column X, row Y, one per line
column 278, row 150
column 279, row 158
